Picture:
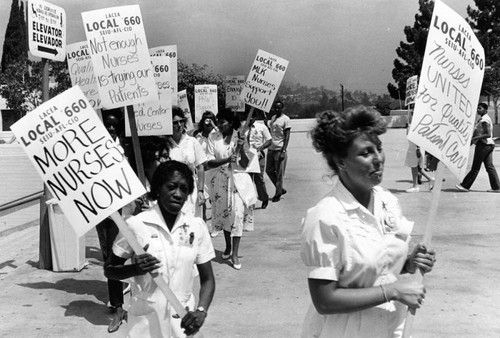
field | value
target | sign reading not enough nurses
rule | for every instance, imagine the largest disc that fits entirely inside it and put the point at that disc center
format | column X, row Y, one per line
column 119, row 52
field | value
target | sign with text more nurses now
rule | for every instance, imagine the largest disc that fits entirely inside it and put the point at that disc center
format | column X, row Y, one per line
column 119, row 52
column 46, row 30
column 85, row 170
column 264, row 80
column 448, row 90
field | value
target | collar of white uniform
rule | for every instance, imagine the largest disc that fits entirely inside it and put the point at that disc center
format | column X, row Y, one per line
column 346, row 198
column 154, row 216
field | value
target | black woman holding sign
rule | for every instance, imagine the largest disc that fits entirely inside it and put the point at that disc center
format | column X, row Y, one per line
column 355, row 240
column 175, row 241
column 234, row 191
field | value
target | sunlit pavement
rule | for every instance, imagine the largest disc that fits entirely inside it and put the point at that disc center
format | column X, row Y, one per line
column 268, row 297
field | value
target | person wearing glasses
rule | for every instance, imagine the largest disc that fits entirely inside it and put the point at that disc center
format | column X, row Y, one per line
column 280, row 127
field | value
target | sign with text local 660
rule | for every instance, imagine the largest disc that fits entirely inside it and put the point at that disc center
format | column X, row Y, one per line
column 119, row 52
column 81, row 71
column 82, row 166
column 46, row 30
column 448, row 90
column 264, row 80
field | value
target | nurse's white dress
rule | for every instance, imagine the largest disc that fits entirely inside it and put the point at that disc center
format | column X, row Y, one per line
column 179, row 250
column 342, row 241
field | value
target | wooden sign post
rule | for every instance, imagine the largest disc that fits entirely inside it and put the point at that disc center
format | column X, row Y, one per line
column 84, row 168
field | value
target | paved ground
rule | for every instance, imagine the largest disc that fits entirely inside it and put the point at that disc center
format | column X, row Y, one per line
column 269, row 296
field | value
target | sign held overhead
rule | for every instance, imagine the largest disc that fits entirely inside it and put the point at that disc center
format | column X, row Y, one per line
column 448, row 90
column 264, row 80
column 119, row 52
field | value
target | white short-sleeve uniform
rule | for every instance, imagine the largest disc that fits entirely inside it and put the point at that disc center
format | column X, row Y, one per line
column 187, row 244
column 342, row 241
column 190, row 152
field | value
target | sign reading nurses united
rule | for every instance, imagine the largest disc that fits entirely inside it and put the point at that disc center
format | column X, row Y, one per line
column 46, row 30
column 448, row 90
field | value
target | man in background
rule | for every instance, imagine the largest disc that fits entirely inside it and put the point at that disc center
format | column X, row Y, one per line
column 280, row 127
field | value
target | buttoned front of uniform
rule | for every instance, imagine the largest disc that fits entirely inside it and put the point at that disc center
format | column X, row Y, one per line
column 178, row 250
column 344, row 242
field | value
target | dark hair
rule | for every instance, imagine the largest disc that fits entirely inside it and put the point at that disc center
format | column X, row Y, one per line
column 280, row 102
column 115, row 114
column 177, row 111
column 165, row 172
column 484, row 105
column 335, row 132
column 206, row 115
column 228, row 115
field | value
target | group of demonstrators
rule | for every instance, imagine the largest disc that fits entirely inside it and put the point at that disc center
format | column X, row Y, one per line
column 220, row 164
column 354, row 261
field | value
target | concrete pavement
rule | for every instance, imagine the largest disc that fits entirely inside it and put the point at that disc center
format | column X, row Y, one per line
column 269, row 296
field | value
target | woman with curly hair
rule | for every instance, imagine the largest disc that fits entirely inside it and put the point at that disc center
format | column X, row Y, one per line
column 355, row 240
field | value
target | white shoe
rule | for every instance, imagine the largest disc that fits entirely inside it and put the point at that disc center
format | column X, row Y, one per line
column 431, row 183
column 459, row 187
column 413, row 189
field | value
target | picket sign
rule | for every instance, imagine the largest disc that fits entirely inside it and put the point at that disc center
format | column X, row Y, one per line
column 448, row 92
column 431, row 218
column 158, row 278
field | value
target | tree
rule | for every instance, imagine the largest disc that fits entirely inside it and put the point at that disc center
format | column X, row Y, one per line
column 411, row 53
column 485, row 21
column 24, row 90
column 14, row 46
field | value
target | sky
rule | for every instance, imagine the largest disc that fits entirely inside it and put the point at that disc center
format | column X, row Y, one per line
column 327, row 42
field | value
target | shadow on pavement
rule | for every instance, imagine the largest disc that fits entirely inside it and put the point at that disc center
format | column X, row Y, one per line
column 94, row 313
column 218, row 258
column 78, row 287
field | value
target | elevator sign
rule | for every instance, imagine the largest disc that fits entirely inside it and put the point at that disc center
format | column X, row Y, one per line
column 46, row 30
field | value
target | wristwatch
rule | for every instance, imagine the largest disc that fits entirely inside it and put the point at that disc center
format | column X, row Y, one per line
column 202, row 309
